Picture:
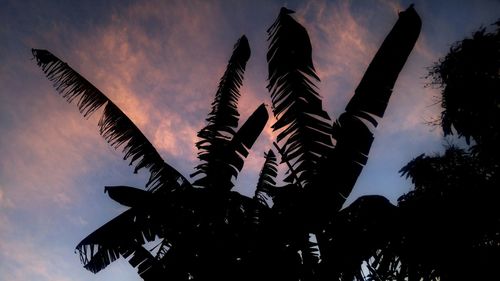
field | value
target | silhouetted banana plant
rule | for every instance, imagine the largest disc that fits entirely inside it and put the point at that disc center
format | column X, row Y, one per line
column 223, row 150
column 212, row 233
column 326, row 174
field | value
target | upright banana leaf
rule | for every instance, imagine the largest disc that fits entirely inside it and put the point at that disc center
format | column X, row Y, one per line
column 116, row 128
column 352, row 135
column 245, row 137
column 305, row 126
column 267, row 179
column 222, row 121
column 231, row 155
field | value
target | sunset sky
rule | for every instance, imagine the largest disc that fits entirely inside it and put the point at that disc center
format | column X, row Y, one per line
column 160, row 62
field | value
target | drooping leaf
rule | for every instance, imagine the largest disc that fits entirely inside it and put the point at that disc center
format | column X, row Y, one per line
column 104, row 245
column 165, row 218
column 101, row 258
column 222, row 121
column 297, row 105
column 148, row 267
column 116, row 128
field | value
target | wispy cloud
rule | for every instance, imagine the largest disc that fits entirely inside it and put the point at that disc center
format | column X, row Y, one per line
column 5, row 201
column 148, row 61
column 160, row 61
column 339, row 38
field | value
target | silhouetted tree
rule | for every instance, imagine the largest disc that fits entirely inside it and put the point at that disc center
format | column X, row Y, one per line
column 448, row 226
column 470, row 82
column 290, row 232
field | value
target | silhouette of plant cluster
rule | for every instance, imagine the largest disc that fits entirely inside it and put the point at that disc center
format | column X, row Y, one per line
column 450, row 223
column 447, row 228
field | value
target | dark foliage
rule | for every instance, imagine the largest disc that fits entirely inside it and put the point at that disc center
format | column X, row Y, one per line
column 449, row 224
column 469, row 77
column 290, row 232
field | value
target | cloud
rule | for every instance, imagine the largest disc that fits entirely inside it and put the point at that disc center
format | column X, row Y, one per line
column 339, row 38
column 165, row 77
column 176, row 137
column 5, row 202
column 156, row 62
column 345, row 42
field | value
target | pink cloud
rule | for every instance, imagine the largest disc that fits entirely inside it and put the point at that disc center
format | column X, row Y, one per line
column 339, row 39
column 176, row 137
column 344, row 46
column 154, row 78
column 164, row 84
column 164, row 81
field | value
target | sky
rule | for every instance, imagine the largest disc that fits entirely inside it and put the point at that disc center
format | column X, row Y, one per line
column 160, row 62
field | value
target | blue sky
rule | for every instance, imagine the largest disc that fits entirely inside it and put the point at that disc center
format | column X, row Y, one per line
column 160, row 61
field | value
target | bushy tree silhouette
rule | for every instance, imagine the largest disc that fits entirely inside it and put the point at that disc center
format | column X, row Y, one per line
column 290, row 232
column 470, row 82
column 448, row 227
